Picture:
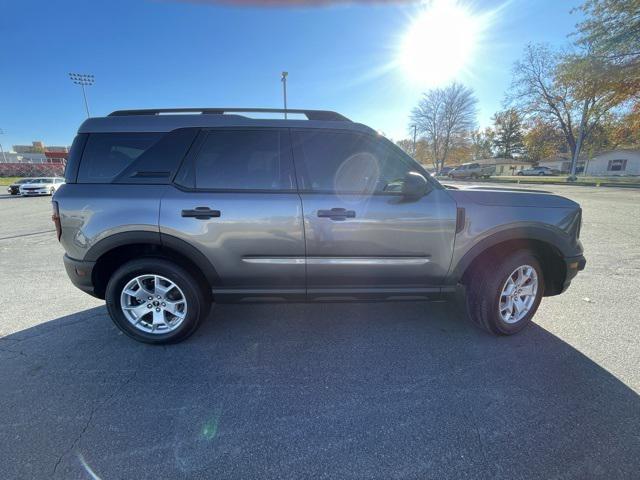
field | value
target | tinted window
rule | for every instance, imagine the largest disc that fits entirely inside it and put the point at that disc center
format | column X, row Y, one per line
column 244, row 160
column 108, row 154
column 348, row 163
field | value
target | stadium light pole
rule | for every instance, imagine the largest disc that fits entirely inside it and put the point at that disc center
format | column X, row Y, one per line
column 84, row 80
column 4, row 157
column 284, row 91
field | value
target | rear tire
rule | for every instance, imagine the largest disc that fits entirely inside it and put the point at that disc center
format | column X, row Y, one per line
column 147, row 277
column 488, row 283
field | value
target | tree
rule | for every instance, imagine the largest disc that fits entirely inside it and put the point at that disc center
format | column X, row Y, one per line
column 611, row 31
column 482, row 143
column 542, row 140
column 560, row 90
column 444, row 117
column 508, row 133
column 422, row 153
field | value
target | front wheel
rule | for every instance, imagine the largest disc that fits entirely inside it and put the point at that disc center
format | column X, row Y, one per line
column 154, row 300
column 503, row 300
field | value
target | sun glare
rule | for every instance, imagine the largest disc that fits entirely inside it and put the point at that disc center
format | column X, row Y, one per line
column 439, row 42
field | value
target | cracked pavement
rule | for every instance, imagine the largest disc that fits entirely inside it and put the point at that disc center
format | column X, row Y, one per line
column 394, row 390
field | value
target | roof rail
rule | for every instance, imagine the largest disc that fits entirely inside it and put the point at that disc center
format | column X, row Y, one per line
column 323, row 115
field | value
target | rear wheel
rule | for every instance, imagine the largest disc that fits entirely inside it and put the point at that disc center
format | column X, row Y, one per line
column 155, row 301
column 503, row 300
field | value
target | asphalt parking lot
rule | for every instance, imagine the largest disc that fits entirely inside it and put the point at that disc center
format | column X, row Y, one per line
column 395, row 390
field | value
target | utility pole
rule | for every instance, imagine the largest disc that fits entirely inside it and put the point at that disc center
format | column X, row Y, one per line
column 83, row 80
column 4, row 157
column 283, row 79
column 415, row 133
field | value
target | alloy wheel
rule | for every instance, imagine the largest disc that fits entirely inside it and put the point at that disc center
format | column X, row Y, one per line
column 153, row 304
column 518, row 294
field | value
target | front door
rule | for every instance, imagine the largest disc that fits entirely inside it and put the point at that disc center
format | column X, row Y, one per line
column 363, row 238
column 236, row 202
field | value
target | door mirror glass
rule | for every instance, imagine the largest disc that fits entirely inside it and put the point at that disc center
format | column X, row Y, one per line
column 414, row 186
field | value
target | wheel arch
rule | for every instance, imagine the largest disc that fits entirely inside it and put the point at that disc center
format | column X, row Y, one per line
column 549, row 247
column 111, row 252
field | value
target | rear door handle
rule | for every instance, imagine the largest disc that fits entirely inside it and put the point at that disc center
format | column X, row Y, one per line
column 201, row 213
column 337, row 214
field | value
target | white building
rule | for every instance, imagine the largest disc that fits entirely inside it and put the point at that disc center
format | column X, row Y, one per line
column 615, row 162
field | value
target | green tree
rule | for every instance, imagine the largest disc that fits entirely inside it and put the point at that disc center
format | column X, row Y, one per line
column 508, row 133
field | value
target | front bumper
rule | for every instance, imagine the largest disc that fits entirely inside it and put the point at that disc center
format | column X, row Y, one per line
column 28, row 193
column 81, row 274
column 573, row 266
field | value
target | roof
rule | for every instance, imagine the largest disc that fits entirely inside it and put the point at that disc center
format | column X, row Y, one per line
column 165, row 120
column 503, row 161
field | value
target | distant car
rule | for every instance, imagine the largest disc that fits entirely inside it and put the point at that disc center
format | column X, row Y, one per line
column 445, row 171
column 41, row 186
column 14, row 188
column 472, row 170
column 536, row 171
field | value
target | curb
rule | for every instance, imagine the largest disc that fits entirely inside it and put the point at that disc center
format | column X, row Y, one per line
column 551, row 182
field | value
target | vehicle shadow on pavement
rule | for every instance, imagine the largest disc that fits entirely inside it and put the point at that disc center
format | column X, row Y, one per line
column 393, row 390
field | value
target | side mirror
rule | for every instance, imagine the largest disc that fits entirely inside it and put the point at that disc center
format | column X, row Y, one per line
column 415, row 186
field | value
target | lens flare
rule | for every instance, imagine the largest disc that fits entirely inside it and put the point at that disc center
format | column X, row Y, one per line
column 440, row 42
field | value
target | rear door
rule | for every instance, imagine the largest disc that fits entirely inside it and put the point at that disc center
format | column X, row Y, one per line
column 235, row 200
column 363, row 238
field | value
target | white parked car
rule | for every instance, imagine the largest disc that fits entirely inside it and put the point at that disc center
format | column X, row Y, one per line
column 537, row 171
column 41, row 186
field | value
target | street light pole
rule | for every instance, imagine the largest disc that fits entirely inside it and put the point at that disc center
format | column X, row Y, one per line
column 83, row 80
column 4, row 157
column 284, row 91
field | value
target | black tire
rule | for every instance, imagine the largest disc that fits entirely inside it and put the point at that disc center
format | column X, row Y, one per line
column 541, row 174
column 520, row 174
column 198, row 303
column 484, row 286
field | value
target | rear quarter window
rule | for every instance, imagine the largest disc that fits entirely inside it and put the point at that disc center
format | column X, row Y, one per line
column 149, row 157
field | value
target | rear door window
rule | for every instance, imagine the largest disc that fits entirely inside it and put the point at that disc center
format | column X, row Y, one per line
column 258, row 159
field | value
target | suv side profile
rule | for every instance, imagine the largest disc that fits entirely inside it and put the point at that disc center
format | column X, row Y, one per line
column 165, row 212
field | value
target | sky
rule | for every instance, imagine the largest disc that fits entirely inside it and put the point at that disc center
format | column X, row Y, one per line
column 371, row 62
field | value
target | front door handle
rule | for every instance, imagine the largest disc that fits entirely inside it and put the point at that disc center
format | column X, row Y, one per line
column 201, row 213
column 337, row 214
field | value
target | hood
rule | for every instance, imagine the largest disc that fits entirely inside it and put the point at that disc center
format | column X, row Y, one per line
column 36, row 185
column 511, row 197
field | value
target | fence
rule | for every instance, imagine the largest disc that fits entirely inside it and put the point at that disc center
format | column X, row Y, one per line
column 31, row 170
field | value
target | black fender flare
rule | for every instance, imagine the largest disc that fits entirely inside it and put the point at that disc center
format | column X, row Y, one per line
column 161, row 240
column 558, row 240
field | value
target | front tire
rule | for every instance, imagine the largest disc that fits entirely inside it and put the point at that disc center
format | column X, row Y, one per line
column 503, row 300
column 156, row 301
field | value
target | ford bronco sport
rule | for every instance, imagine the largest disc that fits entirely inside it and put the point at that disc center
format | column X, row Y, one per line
column 166, row 211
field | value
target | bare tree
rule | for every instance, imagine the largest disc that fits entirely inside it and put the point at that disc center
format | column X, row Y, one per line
column 444, row 117
column 557, row 89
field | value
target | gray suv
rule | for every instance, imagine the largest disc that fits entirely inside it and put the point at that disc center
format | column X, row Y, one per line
column 166, row 211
